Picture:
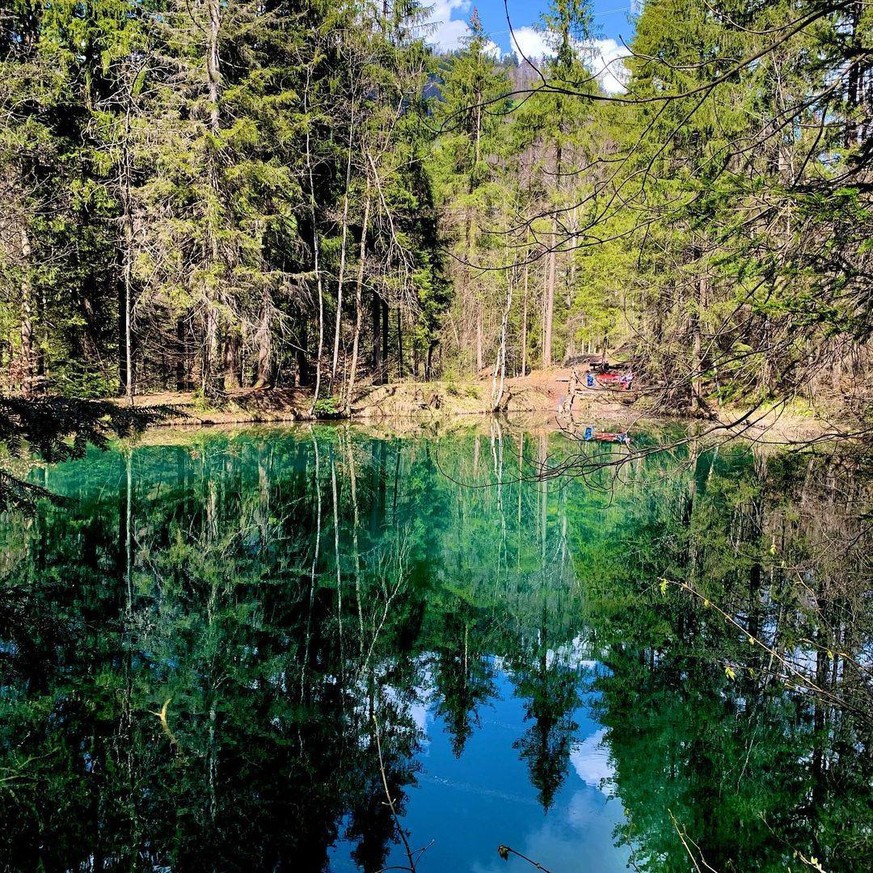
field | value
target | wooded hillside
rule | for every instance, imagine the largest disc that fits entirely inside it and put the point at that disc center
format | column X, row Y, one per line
column 214, row 194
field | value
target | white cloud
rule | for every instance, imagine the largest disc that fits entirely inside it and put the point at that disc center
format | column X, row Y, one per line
column 530, row 43
column 446, row 33
column 603, row 56
column 607, row 63
column 590, row 760
column 494, row 50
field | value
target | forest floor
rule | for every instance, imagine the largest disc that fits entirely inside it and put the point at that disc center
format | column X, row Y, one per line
column 533, row 400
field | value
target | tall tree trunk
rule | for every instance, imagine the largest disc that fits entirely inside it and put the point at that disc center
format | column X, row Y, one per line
column 551, row 274
column 399, row 342
column 500, row 370
column 264, row 343
column 376, row 358
column 183, row 369
column 524, row 320
column 385, row 345
column 316, row 251
column 696, row 327
column 210, row 352
column 231, row 361
column 466, row 304
column 28, row 350
column 549, row 301
column 213, row 65
column 359, row 303
column 337, row 333
column 126, row 171
column 213, row 81
column 480, row 356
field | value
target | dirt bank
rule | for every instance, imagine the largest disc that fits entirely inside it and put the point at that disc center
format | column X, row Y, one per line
column 539, row 394
column 538, row 400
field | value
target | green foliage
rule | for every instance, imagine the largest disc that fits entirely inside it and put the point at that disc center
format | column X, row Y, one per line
column 186, row 189
column 328, row 407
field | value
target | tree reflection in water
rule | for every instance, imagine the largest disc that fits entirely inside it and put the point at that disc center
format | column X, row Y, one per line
column 277, row 589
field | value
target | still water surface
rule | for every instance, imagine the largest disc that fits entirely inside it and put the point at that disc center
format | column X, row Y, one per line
column 227, row 651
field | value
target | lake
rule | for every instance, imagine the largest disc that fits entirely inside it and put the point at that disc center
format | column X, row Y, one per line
column 317, row 649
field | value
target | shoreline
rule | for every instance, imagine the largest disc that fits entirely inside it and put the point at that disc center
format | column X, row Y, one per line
column 448, row 405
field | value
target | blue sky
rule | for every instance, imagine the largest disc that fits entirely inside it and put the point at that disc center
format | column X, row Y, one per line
column 449, row 19
column 610, row 17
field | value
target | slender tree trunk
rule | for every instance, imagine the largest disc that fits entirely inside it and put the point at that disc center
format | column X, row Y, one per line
column 466, row 304
column 399, row 343
column 231, row 360
column 524, row 320
column 316, row 252
column 28, row 351
column 480, row 357
column 337, row 333
column 376, row 319
column 210, row 354
column 551, row 275
column 359, row 302
column 126, row 357
column 126, row 171
column 264, row 342
column 213, row 65
column 549, row 301
column 213, row 81
column 183, row 375
column 385, row 344
column 500, row 370
column 697, row 362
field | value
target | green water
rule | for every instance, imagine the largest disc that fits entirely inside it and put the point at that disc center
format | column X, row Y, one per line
column 326, row 619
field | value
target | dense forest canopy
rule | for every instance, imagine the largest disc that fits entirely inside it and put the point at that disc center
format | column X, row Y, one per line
column 218, row 193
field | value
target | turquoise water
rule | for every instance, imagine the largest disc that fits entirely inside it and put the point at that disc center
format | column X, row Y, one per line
column 229, row 650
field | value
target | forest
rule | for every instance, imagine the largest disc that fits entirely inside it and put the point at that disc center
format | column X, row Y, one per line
column 220, row 194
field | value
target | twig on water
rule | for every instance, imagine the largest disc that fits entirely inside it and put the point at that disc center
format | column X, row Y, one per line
column 506, row 851
column 409, row 853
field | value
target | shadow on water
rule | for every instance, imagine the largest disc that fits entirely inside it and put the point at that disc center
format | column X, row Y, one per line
column 228, row 653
